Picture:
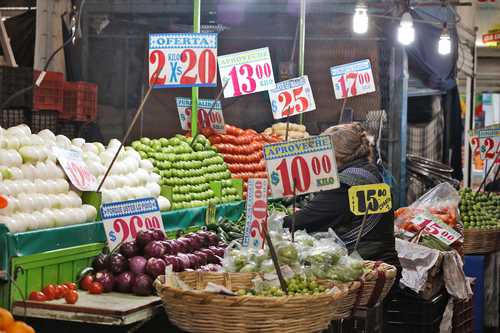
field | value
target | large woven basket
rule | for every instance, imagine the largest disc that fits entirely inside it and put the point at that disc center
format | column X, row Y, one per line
column 480, row 241
column 203, row 312
column 375, row 284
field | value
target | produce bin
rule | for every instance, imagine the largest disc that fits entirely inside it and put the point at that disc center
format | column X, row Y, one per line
column 80, row 101
column 49, row 95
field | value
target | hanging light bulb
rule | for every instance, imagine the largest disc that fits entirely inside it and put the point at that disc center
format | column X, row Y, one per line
column 444, row 45
column 360, row 19
column 406, row 32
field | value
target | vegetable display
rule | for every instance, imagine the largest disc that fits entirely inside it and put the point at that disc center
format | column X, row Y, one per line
column 134, row 266
column 188, row 168
column 297, row 285
column 242, row 151
column 295, row 131
column 481, row 211
column 37, row 192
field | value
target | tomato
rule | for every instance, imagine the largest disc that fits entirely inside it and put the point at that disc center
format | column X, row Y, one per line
column 62, row 290
column 37, row 296
column 86, row 281
column 71, row 285
column 71, row 296
column 50, row 292
column 95, row 288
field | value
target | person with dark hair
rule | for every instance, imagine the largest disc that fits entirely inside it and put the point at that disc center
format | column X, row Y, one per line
column 330, row 209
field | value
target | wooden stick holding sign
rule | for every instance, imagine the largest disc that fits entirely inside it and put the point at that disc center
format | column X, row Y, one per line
column 369, row 199
column 492, row 166
column 276, row 263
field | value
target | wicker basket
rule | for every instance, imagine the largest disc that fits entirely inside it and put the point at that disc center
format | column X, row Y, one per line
column 480, row 241
column 203, row 312
column 375, row 284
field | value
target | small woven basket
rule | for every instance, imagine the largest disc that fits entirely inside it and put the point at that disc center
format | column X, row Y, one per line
column 480, row 241
column 375, row 284
column 204, row 312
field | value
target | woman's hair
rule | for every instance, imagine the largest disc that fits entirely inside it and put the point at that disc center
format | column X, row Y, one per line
column 351, row 142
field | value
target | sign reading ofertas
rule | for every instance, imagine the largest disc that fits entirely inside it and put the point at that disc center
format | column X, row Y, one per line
column 183, row 60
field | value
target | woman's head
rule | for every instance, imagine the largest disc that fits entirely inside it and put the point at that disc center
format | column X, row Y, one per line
column 351, row 142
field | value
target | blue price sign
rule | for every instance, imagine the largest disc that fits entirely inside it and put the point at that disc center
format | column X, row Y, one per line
column 183, row 60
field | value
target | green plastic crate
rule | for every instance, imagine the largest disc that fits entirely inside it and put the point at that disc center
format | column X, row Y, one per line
column 35, row 271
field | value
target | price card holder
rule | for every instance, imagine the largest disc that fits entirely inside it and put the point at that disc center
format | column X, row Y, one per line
column 246, row 72
column 216, row 186
column 93, row 199
column 238, row 185
column 307, row 164
column 374, row 197
column 352, row 79
column 206, row 119
column 123, row 220
column 256, row 215
column 435, row 227
column 75, row 168
column 292, row 97
column 183, row 60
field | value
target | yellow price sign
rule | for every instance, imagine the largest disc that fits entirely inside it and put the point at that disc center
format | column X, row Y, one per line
column 374, row 197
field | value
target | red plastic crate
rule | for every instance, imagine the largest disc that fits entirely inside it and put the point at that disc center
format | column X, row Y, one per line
column 80, row 101
column 49, row 95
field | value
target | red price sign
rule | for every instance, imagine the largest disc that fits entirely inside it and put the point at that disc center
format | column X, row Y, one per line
column 352, row 79
column 183, row 60
column 206, row 119
column 486, row 143
column 292, row 97
column 123, row 220
column 437, row 228
column 256, row 226
column 75, row 168
column 306, row 165
column 247, row 72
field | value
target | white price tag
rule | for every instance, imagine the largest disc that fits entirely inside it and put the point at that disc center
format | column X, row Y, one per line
column 437, row 228
column 183, row 60
column 292, row 97
column 123, row 220
column 213, row 120
column 308, row 163
column 248, row 72
column 256, row 209
column 486, row 142
column 75, row 168
column 352, row 79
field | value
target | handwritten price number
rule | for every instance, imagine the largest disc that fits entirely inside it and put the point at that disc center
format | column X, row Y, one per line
column 249, row 73
column 301, row 174
column 207, row 66
column 205, row 120
column 485, row 149
column 301, row 102
column 130, row 228
column 435, row 229
column 79, row 174
column 369, row 197
column 349, row 81
column 372, row 198
column 258, row 227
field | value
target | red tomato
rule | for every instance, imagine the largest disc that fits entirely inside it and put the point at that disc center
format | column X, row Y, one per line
column 71, row 285
column 71, row 296
column 95, row 288
column 86, row 281
column 50, row 292
column 37, row 296
column 62, row 290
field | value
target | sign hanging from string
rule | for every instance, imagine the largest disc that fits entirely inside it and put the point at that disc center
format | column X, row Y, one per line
column 76, row 169
column 292, row 97
column 352, row 79
column 256, row 209
column 374, row 198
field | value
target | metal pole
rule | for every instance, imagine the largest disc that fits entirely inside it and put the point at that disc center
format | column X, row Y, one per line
column 302, row 43
column 194, row 92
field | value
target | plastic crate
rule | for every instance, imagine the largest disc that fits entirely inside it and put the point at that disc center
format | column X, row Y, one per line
column 49, row 95
column 80, row 101
column 44, row 119
column 12, row 80
column 407, row 309
column 12, row 117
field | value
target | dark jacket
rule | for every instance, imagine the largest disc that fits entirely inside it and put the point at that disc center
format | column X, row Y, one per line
column 330, row 209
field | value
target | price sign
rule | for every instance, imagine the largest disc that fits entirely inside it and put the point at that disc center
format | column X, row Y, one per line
column 247, row 72
column 352, row 79
column 292, row 97
column 374, row 197
column 486, row 142
column 436, row 228
column 306, row 164
column 123, row 220
column 256, row 226
column 75, row 168
column 213, row 120
column 183, row 60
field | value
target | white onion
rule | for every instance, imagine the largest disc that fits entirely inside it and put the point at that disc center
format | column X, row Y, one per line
column 32, row 222
column 154, row 189
column 114, row 143
column 12, row 187
column 62, row 186
column 42, row 186
column 15, row 131
column 25, row 128
column 106, row 158
column 47, row 135
column 21, row 220
column 100, row 147
column 62, row 141
column 142, row 175
column 12, row 206
column 78, row 142
column 11, row 223
column 155, row 178
column 122, row 193
column 26, row 203
column 43, row 220
column 30, row 154
column 44, row 200
column 14, row 142
column 36, row 140
column 42, row 171
column 59, row 217
column 110, row 183
column 91, row 212
column 91, row 148
column 147, row 165
column 51, row 218
column 29, row 171
column 75, row 199
column 163, row 203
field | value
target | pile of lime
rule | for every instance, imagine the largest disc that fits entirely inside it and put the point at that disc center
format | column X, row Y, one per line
column 479, row 211
column 297, row 285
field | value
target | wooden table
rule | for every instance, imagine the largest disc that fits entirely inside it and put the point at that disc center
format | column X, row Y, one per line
column 106, row 309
